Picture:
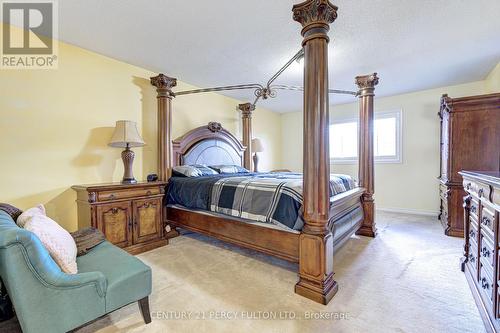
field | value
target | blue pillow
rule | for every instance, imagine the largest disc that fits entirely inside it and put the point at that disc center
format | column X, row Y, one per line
column 229, row 168
column 195, row 170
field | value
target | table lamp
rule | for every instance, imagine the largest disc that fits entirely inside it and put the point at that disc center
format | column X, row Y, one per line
column 257, row 147
column 126, row 136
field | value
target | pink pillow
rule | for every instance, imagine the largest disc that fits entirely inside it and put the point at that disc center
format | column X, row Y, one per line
column 55, row 239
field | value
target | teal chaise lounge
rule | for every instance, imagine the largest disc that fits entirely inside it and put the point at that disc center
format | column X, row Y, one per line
column 47, row 300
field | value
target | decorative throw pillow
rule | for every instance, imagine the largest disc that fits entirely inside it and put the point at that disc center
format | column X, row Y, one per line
column 26, row 215
column 195, row 170
column 229, row 169
column 86, row 239
column 55, row 239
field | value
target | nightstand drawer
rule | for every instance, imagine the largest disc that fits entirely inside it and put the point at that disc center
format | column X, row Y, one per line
column 129, row 193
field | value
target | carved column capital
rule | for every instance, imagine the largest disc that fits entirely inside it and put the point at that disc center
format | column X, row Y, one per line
column 314, row 13
column 164, row 85
column 366, row 83
column 246, row 109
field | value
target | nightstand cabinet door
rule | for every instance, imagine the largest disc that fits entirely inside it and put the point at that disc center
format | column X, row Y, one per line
column 115, row 221
column 147, row 213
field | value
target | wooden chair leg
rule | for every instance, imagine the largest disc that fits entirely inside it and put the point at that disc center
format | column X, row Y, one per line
column 144, row 307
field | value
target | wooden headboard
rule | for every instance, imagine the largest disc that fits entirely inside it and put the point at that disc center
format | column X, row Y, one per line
column 210, row 144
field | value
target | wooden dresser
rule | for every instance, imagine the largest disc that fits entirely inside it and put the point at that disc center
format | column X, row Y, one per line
column 470, row 136
column 129, row 215
column 481, row 257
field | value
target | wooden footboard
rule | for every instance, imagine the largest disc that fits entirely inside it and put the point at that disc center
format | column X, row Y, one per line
column 278, row 243
column 346, row 206
column 345, row 202
column 275, row 242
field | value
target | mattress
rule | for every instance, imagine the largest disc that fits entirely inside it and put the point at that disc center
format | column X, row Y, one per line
column 270, row 198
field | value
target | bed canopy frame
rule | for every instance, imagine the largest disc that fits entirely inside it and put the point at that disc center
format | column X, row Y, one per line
column 313, row 247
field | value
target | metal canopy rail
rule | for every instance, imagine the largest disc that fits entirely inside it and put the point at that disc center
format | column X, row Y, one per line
column 269, row 90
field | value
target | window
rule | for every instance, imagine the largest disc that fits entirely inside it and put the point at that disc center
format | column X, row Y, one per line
column 387, row 139
column 344, row 137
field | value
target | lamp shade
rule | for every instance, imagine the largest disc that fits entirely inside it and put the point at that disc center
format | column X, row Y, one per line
column 126, row 134
column 257, row 145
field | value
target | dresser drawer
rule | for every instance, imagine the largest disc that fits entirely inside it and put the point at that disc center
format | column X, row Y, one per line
column 474, row 208
column 129, row 193
column 473, row 260
column 485, row 286
column 488, row 220
column 476, row 189
column 473, row 231
column 487, row 254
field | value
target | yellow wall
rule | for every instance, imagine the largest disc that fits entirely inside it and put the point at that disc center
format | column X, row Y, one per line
column 410, row 185
column 55, row 126
column 493, row 80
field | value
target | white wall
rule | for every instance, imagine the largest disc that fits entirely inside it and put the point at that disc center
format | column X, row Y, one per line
column 411, row 185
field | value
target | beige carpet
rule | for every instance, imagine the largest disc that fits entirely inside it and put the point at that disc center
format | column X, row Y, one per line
column 406, row 280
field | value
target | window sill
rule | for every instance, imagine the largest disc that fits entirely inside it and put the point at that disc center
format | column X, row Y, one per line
column 377, row 161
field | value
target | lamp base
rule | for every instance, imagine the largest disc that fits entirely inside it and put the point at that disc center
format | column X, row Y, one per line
column 255, row 162
column 128, row 160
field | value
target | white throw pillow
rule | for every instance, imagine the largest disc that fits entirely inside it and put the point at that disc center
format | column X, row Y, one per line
column 27, row 214
column 59, row 243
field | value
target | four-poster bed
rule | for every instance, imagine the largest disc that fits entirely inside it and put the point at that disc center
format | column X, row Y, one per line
column 328, row 221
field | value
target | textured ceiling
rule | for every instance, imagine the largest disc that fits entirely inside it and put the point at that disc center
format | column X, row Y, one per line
column 413, row 45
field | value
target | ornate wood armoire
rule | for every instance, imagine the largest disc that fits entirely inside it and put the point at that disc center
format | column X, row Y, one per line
column 470, row 140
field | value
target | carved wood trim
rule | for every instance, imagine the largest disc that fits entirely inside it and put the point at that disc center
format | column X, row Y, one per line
column 213, row 130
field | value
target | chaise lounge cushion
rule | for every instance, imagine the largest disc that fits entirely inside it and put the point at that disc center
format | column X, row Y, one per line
column 128, row 278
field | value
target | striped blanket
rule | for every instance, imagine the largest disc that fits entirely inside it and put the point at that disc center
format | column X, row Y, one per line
column 269, row 197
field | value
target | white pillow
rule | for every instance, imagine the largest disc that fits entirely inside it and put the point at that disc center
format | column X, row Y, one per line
column 195, row 170
column 59, row 243
column 27, row 214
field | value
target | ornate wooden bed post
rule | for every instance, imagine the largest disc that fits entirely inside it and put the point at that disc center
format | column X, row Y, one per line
column 316, row 241
column 246, row 114
column 366, row 85
column 164, row 85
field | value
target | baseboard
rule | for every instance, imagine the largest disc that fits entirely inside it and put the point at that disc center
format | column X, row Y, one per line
column 409, row 211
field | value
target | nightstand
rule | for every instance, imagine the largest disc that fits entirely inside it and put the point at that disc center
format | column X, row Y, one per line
column 129, row 215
